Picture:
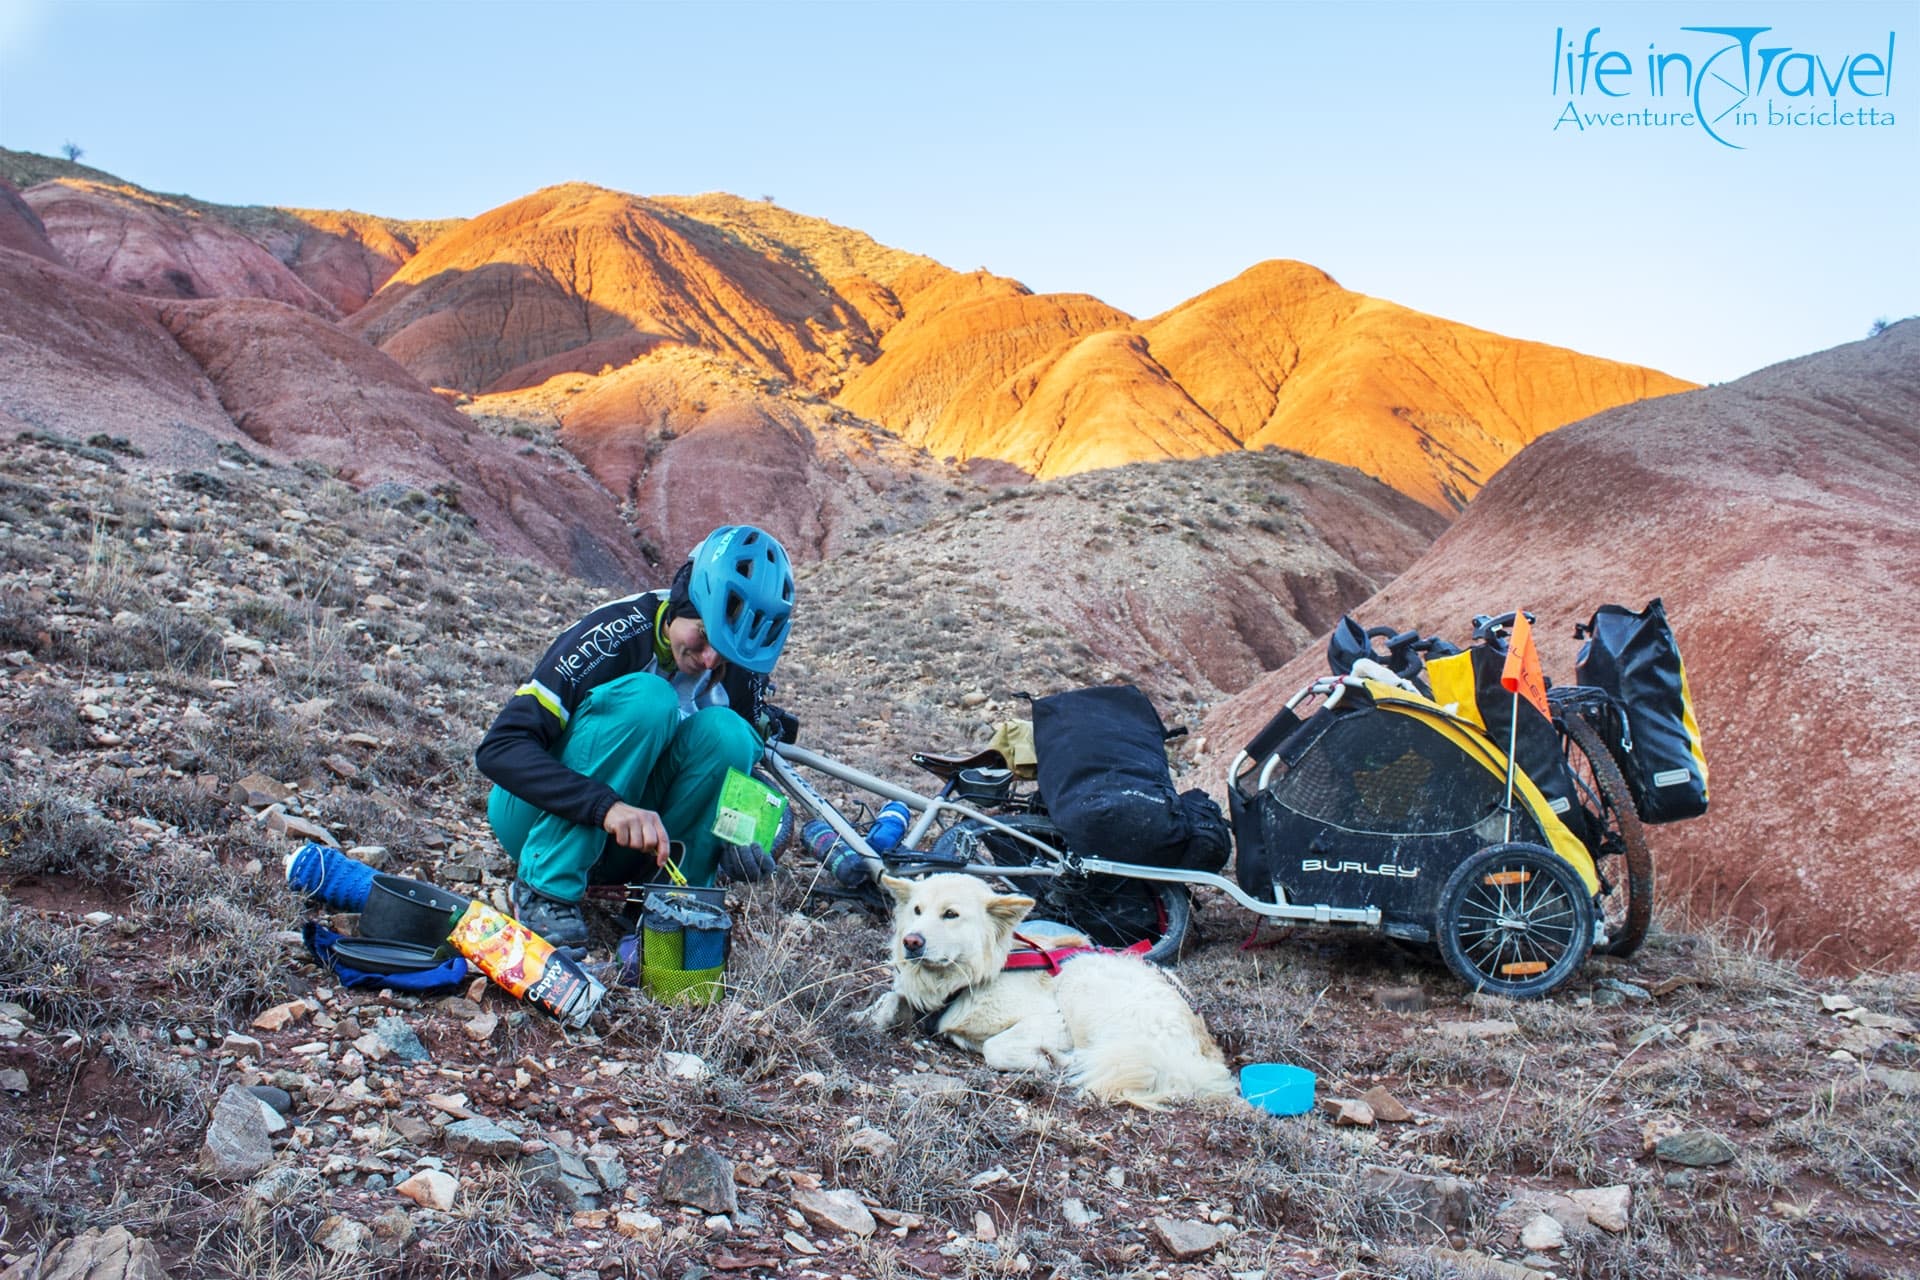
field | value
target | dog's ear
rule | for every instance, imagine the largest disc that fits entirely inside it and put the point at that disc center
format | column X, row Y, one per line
column 1009, row 909
column 901, row 890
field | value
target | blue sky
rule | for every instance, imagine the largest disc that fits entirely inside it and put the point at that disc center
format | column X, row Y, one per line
column 1138, row 152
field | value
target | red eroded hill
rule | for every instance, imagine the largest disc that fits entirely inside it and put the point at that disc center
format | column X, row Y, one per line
column 576, row 266
column 126, row 238
column 694, row 441
column 79, row 359
column 21, row 228
column 1779, row 517
column 306, row 389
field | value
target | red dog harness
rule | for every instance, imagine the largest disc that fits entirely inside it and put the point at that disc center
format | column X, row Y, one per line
column 1031, row 955
column 1028, row 955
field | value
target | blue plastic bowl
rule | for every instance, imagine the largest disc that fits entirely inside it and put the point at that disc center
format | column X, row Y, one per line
column 1278, row 1088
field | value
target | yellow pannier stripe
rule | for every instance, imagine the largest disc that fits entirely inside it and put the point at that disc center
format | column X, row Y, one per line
column 1452, row 681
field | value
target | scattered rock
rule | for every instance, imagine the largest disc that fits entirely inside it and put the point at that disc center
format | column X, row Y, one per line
column 283, row 1185
column 281, row 1016
column 983, row 1228
column 431, row 1189
column 239, row 1142
column 483, row 1027
column 1607, row 1208
column 1625, row 990
column 701, row 1177
column 95, row 1254
column 276, row 1098
column 1077, row 1214
column 399, row 1039
column 564, row 1176
column 241, row 1046
column 257, row 790
column 1421, row 1202
column 1543, row 1232
column 868, row 1141
column 1348, row 1111
column 1904, row 1083
column 342, row 1237
column 928, row 1084
column 634, row 1224
column 1654, row 1031
column 605, row 1165
column 686, row 1066
column 1385, row 1106
column 1486, row 1029
column 1400, row 999
column 481, row 1137
column 1696, row 1147
column 1187, row 1240
column 1439, row 1260
column 394, row 1230
column 837, row 1211
column 13, row 1081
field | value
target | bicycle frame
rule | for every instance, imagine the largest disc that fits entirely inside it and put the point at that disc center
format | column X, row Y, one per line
column 785, row 760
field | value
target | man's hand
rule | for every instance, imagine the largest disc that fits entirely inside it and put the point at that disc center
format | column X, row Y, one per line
column 636, row 828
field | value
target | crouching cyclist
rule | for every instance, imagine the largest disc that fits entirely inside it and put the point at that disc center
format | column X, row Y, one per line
column 623, row 735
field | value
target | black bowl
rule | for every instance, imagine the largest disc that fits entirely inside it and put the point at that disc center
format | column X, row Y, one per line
column 413, row 911
column 371, row 955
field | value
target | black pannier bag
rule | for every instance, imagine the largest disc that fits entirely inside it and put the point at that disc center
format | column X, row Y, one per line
column 1104, row 778
column 1634, row 657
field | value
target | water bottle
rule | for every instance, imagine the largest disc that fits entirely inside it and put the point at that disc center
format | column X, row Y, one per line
column 887, row 829
column 840, row 859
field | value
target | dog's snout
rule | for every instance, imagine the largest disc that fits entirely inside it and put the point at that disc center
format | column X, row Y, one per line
column 913, row 944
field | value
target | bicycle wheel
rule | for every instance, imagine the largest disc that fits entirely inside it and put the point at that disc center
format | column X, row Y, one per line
column 1621, row 856
column 1514, row 919
column 1113, row 911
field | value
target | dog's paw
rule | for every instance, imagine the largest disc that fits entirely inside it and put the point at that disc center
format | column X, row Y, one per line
column 883, row 1014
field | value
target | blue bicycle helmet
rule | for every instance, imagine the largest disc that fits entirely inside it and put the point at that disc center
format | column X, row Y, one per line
column 742, row 587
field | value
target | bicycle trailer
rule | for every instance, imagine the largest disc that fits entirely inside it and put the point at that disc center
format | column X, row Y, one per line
column 1384, row 798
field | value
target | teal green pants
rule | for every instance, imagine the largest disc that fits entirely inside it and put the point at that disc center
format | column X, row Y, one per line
column 628, row 734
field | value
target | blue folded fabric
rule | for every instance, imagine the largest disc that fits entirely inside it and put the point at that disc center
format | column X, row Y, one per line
column 329, row 876
column 320, row 940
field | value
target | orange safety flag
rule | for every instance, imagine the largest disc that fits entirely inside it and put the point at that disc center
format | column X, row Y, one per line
column 1522, row 673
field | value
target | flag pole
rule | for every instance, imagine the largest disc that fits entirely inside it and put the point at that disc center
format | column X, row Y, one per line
column 1513, row 742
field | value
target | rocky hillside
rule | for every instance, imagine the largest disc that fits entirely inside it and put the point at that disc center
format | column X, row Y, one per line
column 1776, row 516
column 174, row 246
column 1188, row 579
column 202, row 667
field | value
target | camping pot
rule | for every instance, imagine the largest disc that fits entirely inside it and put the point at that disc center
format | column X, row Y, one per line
column 403, row 910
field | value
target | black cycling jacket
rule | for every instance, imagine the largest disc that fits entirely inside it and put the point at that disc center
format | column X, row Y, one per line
column 521, row 750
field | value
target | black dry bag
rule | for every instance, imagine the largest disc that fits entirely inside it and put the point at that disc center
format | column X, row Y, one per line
column 1102, row 765
column 1634, row 657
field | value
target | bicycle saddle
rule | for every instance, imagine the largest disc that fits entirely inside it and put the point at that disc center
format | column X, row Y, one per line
column 947, row 766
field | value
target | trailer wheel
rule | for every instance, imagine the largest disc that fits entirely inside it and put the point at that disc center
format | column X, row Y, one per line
column 1514, row 920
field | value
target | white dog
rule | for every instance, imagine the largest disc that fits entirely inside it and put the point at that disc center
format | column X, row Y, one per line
column 1118, row 1024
